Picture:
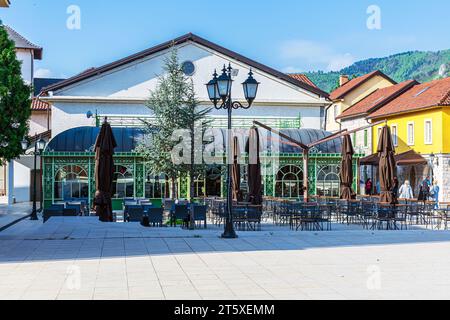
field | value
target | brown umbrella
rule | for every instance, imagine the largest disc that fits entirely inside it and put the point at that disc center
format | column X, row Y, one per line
column 347, row 169
column 236, row 172
column 254, row 168
column 387, row 167
column 104, row 172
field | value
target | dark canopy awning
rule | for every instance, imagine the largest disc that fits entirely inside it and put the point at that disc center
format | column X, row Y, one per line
column 409, row 158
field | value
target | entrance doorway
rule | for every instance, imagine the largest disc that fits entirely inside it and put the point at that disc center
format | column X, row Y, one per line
column 213, row 182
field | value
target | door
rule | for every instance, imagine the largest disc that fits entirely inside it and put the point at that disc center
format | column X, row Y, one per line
column 38, row 185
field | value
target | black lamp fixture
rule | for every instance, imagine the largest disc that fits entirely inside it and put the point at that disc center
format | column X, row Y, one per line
column 39, row 147
column 219, row 88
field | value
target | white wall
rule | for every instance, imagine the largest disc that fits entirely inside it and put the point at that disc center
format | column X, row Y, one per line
column 276, row 98
column 21, row 182
column 38, row 122
column 26, row 57
column 72, row 115
column 136, row 79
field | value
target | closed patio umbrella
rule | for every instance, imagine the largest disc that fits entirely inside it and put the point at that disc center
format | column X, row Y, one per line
column 236, row 172
column 254, row 168
column 387, row 167
column 347, row 169
column 104, row 171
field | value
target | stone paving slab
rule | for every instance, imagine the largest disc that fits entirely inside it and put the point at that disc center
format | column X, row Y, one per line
column 79, row 258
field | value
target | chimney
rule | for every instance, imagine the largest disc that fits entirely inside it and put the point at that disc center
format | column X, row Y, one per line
column 343, row 79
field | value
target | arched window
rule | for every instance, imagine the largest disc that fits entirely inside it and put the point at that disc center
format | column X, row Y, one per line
column 328, row 181
column 71, row 182
column 156, row 186
column 123, row 183
column 289, row 182
column 199, row 186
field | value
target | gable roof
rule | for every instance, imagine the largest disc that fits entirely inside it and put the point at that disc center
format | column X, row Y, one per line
column 340, row 92
column 40, row 83
column 22, row 43
column 376, row 100
column 39, row 105
column 303, row 78
column 196, row 39
column 421, row 96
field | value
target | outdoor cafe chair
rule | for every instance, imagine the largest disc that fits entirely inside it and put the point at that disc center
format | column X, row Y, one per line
column 443, row 212
column 200, row 214
column 254, row 217
column 70, row 212
column 401, row 216
column 77, row 208
column 367, row 213
column 385, row 215
column 155, row 216
column 52, row 212
column 135, row 214
column 179, row 212
column 239, row 216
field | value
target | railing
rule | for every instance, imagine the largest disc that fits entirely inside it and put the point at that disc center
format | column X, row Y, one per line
column 217, row 122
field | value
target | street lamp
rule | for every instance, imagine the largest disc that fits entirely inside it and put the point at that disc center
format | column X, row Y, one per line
column 39, row 147
column 219, row 90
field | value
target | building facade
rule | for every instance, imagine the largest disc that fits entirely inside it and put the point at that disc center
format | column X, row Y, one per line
column 420, row 120
column 120, row 90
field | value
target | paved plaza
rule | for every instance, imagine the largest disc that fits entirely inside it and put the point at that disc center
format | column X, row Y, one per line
column 80, row 258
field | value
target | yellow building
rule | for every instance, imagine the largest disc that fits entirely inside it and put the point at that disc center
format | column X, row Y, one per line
column 350, row 92
column 420, row 120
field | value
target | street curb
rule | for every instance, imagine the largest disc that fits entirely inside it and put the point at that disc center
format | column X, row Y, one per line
column 9, row 225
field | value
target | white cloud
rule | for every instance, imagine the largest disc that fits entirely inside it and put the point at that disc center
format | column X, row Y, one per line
column 42, row 73
column 310, row 55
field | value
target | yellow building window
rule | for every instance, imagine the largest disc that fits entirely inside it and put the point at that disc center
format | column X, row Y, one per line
column 394, row 132
column 428, row 134
column 410, row 134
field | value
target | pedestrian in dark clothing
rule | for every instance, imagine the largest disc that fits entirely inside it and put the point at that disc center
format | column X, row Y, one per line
column 369, row 187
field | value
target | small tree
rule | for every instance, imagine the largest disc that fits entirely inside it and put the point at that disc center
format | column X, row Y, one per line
column 175, row 107
column 15, row 103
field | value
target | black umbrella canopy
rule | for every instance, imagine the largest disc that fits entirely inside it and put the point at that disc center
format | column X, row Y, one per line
column 387, row 166
column 236, row 172
column 104, row 172
column 254, row 168
column 347, row 169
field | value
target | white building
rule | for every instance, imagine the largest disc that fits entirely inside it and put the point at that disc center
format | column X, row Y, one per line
column 15, row 178
column 120, row 89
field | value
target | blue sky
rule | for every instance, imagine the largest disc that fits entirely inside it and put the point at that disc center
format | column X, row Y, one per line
column 290, row 35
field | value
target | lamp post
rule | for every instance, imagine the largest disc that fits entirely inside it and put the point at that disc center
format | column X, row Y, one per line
column 219, row 92
column 39, row 147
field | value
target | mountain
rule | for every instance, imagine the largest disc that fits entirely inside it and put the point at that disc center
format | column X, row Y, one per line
column 422, row 66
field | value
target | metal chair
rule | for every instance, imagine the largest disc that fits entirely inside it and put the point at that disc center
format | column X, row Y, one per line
column 52, row 212
column 180, row 212
column 200, row 215
column 135, row 214
column 155, row 216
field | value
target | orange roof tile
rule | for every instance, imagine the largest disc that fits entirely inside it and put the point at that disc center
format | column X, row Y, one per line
column 39, row 105
column 340, row 92
column 421, row 96
column 377, row 99
column 303, row 78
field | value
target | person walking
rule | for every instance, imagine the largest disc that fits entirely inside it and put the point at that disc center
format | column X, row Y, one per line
column 426, row 184
column 406, row 191
column 369, row 187
column 395, row 188
column 434, row 192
